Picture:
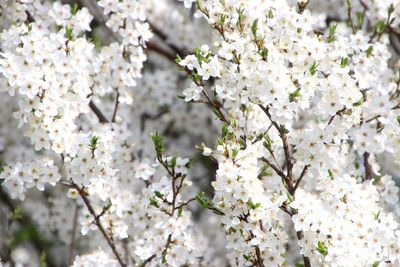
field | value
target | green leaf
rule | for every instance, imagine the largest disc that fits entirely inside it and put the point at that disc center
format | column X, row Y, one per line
column 369, row 51
column 74, row 9
column 390, row 10
column 380, row 26
column 252, row 205
column 94, row 141
column 2, row 165
column 358, row 103
column 360, row 18
column 202, row 200
column 222, row 19
column 332, row 33
column 264, row 53
column 158, row 194
column 270, row 14
column 163, row 259
column 313, row 68
column 290, row 197
column 158, row 143
column 267, row 142
column 27, row 233
column 178, row 59
column 180, row 212
column 330, row 173
column 344, row 62
column 254, row 28
column 322, row 249
column 173, row 162
column 234, row 153
column 294, row 96
column 17, row 213
column 42, row 260
column 225, row 130
column 68, row 33
column 153, row 202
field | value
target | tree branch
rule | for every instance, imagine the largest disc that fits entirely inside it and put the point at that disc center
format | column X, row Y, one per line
column 97, row 222
column 97, row 112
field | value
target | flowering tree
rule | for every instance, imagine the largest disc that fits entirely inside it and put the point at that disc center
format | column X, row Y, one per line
column 107, row 107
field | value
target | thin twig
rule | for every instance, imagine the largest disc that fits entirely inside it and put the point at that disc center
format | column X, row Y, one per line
column 72, row 241
column 115, row 107
column 350, row 17
column 368, row 168
column 97, row 222
column 303, row 173
column 97, row 112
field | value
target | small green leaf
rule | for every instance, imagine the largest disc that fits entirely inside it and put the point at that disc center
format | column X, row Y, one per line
column 294, row 96
column 369, row 51
column 158, row 143
column 225, row 130
column 180, row 212
column 222, row 19
column 313, row 68
column 178, row 59
column 158, row 194
column 252, row 205
column 254, row 28
column 290, row 198
column 332, row 33
column 360, row 18
column 330, row 173
column 68, row 33
column 234, row 153
column 380, row 26
column 153, row 202
column 264, row 53
column 344, row 62
column 202, row 200
column 173, row 162
column 74, row 9
column 358, row 103
column 17, row 213
column 270, row 14
column 390, row 9
column 94, row 141
column 322, row 249
column 42, row 260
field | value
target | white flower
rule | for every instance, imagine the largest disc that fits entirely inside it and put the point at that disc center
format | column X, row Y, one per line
column 192, row 93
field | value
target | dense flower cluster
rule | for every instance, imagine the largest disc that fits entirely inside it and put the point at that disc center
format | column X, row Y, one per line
column 301, row 173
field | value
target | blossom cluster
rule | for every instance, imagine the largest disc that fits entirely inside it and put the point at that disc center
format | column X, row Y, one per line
column 297, row 101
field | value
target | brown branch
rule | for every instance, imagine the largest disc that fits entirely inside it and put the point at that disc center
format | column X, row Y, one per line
column 303, row 173
column 164, row 38
column 72, row 242
column 275, row 168
column 148, row 260
column 368, row 168
column 25, row 220
column 288, row 178
column 259, row 261
column 97, row 222
column 306, row 260
column 97, row 112
column 160, row 50
column 115, row 107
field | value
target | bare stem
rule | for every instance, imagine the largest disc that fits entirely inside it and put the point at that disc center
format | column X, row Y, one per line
column 97, row 222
